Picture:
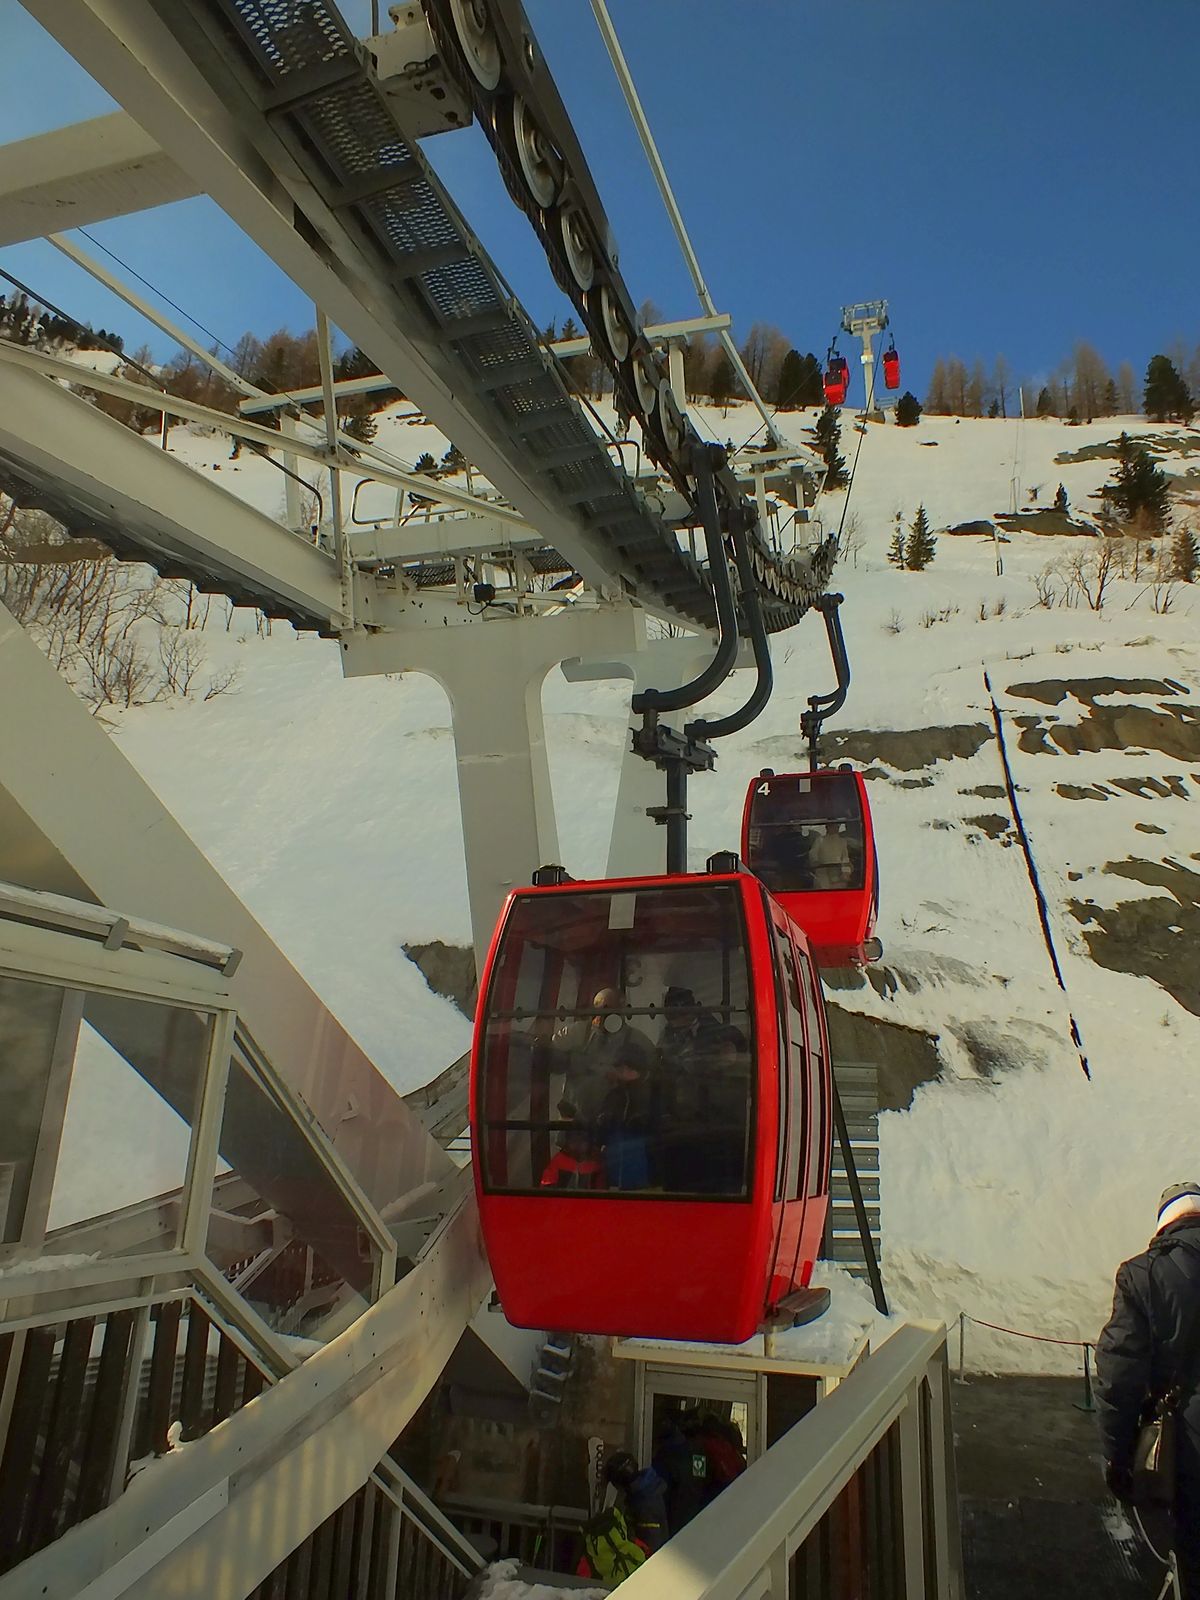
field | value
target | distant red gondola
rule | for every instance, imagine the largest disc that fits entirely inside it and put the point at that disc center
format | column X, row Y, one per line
column 650, row 1107
column 891, row 368
column 809, row 837
column 836, row 380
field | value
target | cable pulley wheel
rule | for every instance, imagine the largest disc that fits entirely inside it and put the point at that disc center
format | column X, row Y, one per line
column 580, row 256
column 540, row 166
column 615, row 329
column 645, row 381
column 670, row 419
column 477, row 40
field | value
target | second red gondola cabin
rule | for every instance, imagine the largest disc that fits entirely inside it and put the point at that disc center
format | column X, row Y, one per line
column 809, row 837
column 650, row 1106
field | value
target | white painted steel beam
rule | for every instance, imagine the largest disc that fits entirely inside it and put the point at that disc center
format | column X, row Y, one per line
column 114, row 478
column 439, row 538
column 230, row 152
column 371, row 384
column 493, row 674
column 107, row 167
column 76, row 819
column 378, row 465
column 717, row 323
column 143, row 307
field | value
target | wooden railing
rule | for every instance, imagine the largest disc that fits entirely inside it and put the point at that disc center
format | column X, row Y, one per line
column 93, row 1400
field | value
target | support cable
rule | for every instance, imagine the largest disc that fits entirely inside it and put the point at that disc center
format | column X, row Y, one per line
column 625, row 79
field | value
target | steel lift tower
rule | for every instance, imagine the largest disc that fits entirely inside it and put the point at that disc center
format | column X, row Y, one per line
column 864, row 321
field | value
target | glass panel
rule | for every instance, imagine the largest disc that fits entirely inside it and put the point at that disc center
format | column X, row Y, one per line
column 784, row 978
column 806, row 833
column 135, row 1089
column 29, row 1014
column 281, row 1229
column 617, row 1051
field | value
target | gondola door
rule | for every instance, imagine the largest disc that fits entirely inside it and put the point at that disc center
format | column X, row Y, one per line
column 819, row 1106
column 793, row 1124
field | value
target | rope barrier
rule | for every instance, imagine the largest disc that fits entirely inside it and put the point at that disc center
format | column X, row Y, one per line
column 1039, row 1338
column 1019, row 1333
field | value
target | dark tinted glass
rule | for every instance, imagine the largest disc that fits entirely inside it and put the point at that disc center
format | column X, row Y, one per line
column 806, row 833
column 617, row 1050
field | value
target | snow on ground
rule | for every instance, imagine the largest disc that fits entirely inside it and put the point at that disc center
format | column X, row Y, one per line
column 1013, row 1184
column 502, row 1583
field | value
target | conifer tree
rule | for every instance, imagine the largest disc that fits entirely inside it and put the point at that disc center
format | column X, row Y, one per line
column 1185, row 555
column 795, row 383
column 1045, row 403
column 1141, row 492
column 812, row 392
column 361, row 425
column 1110, row 403
column 908, row 410
column 425, row 463
column 1061, row 503
column 723, row 380
column 994, row 409
column 1166, row 394
column 828, row 432
column 922, row 546
column 897, row 550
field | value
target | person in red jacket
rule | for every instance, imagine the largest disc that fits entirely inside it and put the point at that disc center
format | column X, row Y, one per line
column 578, row 1165
column 726, row 1452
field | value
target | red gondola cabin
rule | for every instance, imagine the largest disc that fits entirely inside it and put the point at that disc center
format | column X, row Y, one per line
column 837, row 380
column 650, row 1106
column 891, row 368
column 808, row 836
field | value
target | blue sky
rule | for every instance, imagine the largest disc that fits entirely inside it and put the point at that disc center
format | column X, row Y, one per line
column 1012, row 174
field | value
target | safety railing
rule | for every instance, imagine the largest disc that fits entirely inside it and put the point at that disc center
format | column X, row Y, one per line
column 388, row 1541
column 858, row 1499
column 548, row 1537
column 94, row 1400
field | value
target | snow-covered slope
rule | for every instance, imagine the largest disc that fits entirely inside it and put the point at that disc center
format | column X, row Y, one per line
column 1013, row 1183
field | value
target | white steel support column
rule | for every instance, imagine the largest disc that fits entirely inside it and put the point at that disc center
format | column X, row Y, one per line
column 868, row 365
column 492, row 673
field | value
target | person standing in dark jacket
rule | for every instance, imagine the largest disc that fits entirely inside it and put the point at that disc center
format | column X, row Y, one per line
column 1150, row 1346
column 681, row 1461
column 645, row 1496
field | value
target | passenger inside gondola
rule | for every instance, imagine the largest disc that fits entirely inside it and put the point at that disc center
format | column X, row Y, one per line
column 806, row 833
column 591, row 1048
column 577, row 1165
column 583, row 986
column 829, row 857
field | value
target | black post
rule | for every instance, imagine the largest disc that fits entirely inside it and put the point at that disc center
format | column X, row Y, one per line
column 677, row 817
column 860, row 1210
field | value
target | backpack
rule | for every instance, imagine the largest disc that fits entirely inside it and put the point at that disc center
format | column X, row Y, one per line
column 610, row 1547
